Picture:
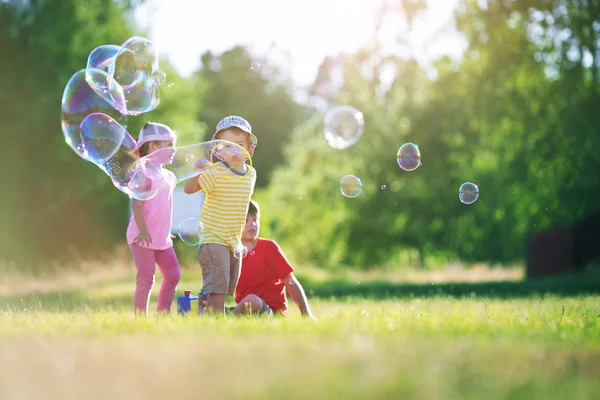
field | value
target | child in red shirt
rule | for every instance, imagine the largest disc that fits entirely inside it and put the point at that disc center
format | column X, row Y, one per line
column 266, row 274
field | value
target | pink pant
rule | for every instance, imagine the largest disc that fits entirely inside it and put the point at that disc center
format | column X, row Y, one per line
column 145, row 261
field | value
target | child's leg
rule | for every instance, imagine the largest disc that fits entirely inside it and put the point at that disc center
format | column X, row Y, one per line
column 169, row 267
column 251, row 304
column 145, row 264
column 214, row 261
column 216, row 303
column 235, row 268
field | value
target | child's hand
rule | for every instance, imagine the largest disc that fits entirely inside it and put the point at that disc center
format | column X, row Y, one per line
column 143, row 238
column 201, row 164
column 173, row 236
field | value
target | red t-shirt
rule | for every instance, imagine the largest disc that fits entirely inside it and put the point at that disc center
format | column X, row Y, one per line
column 263, row 271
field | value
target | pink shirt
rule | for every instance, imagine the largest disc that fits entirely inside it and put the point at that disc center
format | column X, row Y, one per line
column 157, row 213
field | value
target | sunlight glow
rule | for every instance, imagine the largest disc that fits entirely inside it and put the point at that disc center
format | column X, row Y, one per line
column 307, row 30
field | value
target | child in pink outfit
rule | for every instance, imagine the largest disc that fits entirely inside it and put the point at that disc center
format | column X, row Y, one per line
column 149, row 230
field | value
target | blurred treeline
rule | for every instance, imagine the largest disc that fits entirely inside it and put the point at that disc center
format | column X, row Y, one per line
column 518, row 114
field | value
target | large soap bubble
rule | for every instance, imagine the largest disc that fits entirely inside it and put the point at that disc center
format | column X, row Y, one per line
column 103, row 57
column 101, row 137
column 135, row 69
column 190, row 161
column 142, row 178
column 79, row 100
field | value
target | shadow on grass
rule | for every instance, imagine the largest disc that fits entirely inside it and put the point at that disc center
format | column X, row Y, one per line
column 573, row 285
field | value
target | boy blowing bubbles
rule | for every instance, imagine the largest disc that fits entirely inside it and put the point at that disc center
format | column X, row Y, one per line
column 228, row 186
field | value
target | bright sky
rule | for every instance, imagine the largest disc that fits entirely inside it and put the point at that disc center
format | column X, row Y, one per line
column 308, row 30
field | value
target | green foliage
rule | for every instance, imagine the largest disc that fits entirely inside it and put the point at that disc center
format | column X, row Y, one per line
column 517, row 114
column 57, row 204
column 508, row 116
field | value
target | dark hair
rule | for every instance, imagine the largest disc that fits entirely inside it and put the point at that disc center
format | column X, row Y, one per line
column 254, row 209
column 143, row 150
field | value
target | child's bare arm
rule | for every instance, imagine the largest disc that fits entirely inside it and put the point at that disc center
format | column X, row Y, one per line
column 297, row 292
column 191, row 185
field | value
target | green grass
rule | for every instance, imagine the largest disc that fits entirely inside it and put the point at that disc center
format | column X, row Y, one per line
column 379, row 338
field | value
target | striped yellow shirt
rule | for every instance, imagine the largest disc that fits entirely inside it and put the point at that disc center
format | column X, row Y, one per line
column 225, row 205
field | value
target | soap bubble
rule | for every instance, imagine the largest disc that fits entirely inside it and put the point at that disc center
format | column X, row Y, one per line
column 255, row 66
column 146, row 176
column 139, row 178
column 409, row 156
column 142, row 178
column 136, row 70
column 350, row 186
column 107, row 88
column 240, row 251
column 192, row 160
column 191, row 231
column 101, row 137
column 468, row 193
column 102, row 57
column 79, row 100
column 343, row 126
column 160, row 77
column 144, row 184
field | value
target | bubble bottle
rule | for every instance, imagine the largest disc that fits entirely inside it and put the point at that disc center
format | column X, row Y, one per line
column 184, row 303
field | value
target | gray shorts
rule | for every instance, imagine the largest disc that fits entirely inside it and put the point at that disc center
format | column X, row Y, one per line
column 220, row 269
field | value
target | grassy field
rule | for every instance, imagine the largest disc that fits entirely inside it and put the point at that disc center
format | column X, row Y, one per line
column 379, row 335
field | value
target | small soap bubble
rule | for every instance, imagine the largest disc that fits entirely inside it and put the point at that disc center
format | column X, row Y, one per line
column 240, row 252
column 171, row 84
column 215, row 65
column 350, row 186
column 160, row 77
column 191, row 231
column 383, row 187
column 409, row 157
column 468, row 193
column 190, row 158
column 255, row 66
column 343, row 126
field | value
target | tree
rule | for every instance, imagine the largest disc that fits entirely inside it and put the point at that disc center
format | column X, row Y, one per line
column 56, row 204
column 260, row 95
column 514, row 116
